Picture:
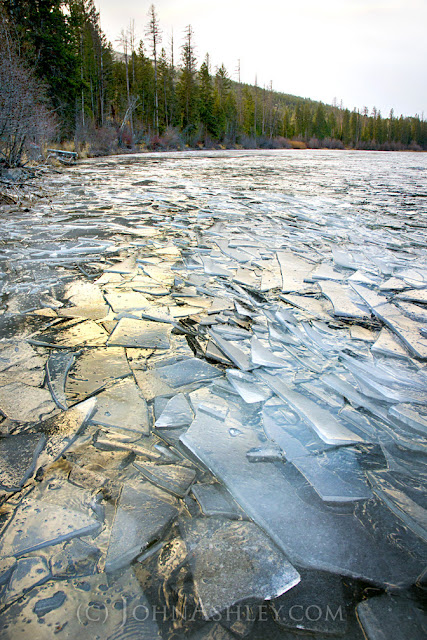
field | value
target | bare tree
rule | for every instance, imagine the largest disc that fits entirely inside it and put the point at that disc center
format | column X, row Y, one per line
column 153, row 31
column 124, row 42
column 25, row 119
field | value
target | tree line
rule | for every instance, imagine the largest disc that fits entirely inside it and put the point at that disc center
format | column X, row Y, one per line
column 144, row 93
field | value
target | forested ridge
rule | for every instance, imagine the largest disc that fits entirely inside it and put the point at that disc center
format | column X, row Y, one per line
column 155, row 93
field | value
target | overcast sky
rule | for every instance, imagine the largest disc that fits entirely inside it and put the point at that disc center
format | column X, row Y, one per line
column 363, row 52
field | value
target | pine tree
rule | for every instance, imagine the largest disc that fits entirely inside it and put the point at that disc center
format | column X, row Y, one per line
column 345, row 135
column 320, row 125
column 206, row 98
column 145, row 83
column 187, row 89
column 221, row 102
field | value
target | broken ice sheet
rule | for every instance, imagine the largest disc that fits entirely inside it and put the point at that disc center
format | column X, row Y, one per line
column 213, row 268
column 212, row 352
column 188, row 371
column 142, row 514
column 89, row 311
column 391, row 616
column 13, row 352
column 173, row 478
column 294, row 271
column 406, row 329
column 75, row 558
column 62, row 430
column 330, row 429
column 30, row 372
column 402, row 498
column 414, row 295
column 236, row 352
column 151, row 384
column 335, row 475
column 52, row 610
column 263, row 356
column 81, row 293
column 247, row 386
column 414, row 416
column 271, row 277
column 7, row 565
column 18, row 458
column 280, row 499
column 177, row 413
column 321, row 591
column 28, row 573
column 214, row 500
column 57, row 368
column 361, row 333
column 72, row 333
column 38, row 523
column 126, row 300
column 22, row 326
column 325, row 271
column 125, row 267
column 413, row 311
column 344, row 301
column 140, row 333
column 93, row 370
column 248, row 278
column 24, row 403
column 236, row 563
column 122, row 406
column 315, row 307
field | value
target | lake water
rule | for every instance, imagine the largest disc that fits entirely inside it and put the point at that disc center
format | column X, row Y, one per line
column 213, row 398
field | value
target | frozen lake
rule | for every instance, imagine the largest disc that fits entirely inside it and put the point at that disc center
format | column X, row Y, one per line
column 213, row 399
column 382, row 193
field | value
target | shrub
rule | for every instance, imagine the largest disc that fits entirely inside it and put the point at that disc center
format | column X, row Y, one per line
column 25, row 120
column 102, row 141
column 297, row 144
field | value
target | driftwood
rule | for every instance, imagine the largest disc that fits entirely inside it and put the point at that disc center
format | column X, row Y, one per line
column 65, row 157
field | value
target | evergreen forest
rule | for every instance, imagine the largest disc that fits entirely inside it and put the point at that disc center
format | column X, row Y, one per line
column 62, row 81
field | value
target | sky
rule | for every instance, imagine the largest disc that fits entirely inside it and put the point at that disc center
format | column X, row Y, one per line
column 361, row 52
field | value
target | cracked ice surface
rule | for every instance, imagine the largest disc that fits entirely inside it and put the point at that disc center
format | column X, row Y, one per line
column 213, row 391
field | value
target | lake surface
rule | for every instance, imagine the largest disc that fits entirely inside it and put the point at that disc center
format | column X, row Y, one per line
column 213, row 399
column 96, row 199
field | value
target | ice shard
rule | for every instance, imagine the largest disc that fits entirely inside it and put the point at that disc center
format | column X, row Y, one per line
column 18, row 458
column 25, row 403
column 122, row 406
column 279, row 499
column 176, row 413
column 173, row 478
column 37, row 524
column 343, row 302
column 327, row 426
column 143, row 513
column 141, row 334
column 57, row 368
column 390, row 616
column 243, row 564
